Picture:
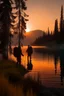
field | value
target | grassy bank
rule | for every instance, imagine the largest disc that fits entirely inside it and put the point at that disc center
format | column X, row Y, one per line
column 10, row 68
column 12, row 82
column 8, row 89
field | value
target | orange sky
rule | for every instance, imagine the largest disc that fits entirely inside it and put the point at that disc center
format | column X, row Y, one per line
column 42, row 13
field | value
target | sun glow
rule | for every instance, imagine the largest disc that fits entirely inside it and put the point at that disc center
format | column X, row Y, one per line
column 27, row 30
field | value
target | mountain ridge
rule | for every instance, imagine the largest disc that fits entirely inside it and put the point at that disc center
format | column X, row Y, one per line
column 30, row 37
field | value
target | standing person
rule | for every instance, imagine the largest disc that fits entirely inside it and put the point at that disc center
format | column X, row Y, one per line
column 29, row 52
column 18, row 53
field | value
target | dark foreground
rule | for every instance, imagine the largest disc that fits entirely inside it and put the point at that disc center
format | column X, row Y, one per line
column 13, row 83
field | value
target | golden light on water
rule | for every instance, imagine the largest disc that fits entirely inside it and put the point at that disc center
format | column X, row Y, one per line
column 46, row 66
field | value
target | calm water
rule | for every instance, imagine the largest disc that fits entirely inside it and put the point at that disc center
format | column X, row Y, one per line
column 49, row 67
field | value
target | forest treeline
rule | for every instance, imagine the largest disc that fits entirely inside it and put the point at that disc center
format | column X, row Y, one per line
column 55, row 37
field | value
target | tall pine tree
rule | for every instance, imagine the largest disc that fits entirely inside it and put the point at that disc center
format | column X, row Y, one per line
column 5, row 11
column 56, row 30
column 20, row 6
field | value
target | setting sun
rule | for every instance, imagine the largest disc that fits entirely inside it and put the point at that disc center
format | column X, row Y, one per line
column 27, row 30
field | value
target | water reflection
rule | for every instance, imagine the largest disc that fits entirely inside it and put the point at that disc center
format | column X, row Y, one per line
column 59, row 56
column 29, row 65
column 62, row 66
column 49, row 66
column 56, row 58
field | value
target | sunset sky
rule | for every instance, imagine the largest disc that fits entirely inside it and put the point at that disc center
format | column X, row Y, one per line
column 42, row 13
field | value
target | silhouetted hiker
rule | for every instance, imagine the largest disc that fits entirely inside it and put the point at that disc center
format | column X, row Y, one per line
column 29, row 52
column 18, row 53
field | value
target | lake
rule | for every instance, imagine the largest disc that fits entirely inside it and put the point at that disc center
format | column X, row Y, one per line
column 49, row 67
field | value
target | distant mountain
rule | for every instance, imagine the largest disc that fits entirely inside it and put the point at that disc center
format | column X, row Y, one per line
column 31, row 36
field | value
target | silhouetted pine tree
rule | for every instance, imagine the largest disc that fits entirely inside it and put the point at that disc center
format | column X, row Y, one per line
column 5, row 11
column 11, row 20
column 61, row 26
column 56, row 30
column 20, row 6
column 48, row 31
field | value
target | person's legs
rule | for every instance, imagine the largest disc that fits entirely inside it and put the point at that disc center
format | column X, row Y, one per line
column 30, row 57
column 19, row 59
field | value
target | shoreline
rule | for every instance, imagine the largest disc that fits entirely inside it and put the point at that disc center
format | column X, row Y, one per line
column 51, row 49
